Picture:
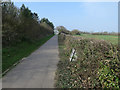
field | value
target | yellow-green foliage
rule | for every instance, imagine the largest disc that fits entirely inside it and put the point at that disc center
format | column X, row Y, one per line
column 75, row 32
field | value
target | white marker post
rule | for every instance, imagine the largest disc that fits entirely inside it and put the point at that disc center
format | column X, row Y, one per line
column 73, row 56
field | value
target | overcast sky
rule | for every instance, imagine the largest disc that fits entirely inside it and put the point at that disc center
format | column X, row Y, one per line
column 85, row 16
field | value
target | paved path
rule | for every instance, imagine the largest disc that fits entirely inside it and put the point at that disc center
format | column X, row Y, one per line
column 37, row 70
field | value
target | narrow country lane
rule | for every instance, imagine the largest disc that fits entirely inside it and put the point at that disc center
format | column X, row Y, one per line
column 37, row 70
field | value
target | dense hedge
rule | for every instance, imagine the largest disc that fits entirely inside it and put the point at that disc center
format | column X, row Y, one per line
column 22, row 25
column 97, row 65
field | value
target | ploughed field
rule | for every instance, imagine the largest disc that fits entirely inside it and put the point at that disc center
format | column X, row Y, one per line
column 97, row 64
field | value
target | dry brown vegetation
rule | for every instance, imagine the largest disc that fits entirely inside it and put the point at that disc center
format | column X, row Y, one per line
column 97, row 66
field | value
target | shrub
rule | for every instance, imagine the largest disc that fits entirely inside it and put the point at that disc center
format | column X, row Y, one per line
column 97, row 64
column 62, row 29
column 75, row 32
column 22, row 25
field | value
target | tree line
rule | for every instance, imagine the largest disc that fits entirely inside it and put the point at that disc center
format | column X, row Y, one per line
column 62, row 29
column 20, row 25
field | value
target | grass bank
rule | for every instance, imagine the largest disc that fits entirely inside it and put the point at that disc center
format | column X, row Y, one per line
column 111, row 38
column 11, row 55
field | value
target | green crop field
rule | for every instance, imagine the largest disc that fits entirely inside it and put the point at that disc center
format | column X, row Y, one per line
column 111, row 38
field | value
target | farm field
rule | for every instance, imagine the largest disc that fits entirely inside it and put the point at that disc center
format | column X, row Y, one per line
column 111, row 38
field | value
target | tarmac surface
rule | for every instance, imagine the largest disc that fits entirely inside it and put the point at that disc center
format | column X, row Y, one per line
column 37, row 70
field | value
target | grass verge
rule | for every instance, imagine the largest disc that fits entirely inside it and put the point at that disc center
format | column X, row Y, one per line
column 11, row 55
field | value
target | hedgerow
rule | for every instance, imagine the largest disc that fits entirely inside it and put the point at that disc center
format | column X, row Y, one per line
column 97, row 65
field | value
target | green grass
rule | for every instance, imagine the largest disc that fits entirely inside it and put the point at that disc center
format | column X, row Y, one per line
column 111, row 38
column 13, row 54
